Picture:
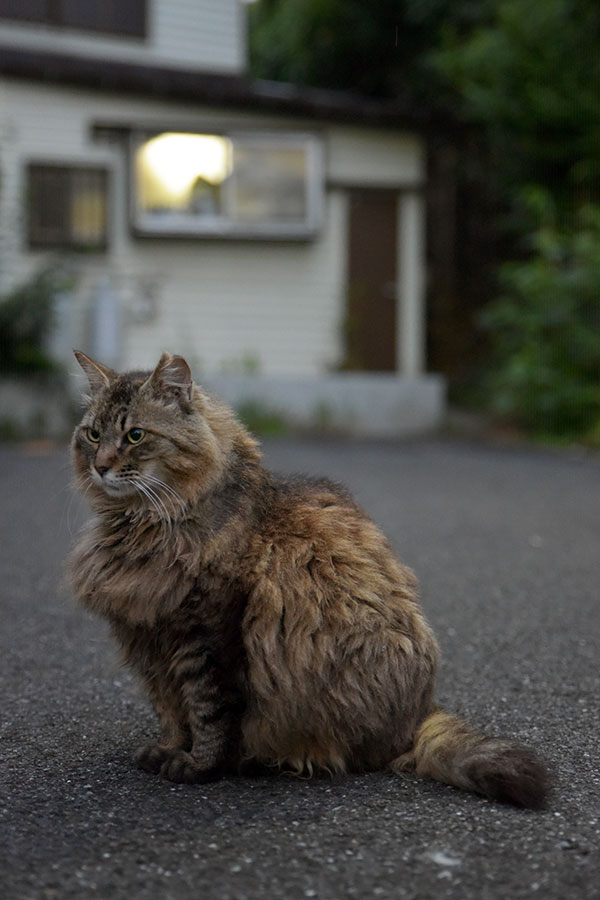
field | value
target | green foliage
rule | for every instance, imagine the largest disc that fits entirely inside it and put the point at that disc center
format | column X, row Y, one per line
column 545, row 328
column 26, row 316
column 261, row 419
column 530, row 77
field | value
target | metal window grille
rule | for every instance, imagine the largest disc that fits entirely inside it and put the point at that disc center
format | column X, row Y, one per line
column 67, row 207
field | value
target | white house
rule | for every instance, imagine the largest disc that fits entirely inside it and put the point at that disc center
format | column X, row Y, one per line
column 274, row 235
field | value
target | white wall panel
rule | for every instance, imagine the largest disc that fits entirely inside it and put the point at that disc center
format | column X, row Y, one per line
column 377, row 158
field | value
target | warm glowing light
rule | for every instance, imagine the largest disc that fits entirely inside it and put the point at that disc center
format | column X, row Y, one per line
column 171, row 164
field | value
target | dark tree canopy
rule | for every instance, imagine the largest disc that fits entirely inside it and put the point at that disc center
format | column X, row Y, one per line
column 379, row 48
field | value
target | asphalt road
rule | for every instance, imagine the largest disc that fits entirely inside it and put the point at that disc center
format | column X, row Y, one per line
column 506, row 543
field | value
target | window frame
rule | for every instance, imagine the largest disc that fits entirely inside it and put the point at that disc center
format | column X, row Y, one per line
column 37, row 243
column 183, row 226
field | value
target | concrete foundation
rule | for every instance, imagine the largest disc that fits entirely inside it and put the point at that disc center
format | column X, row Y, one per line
column 365, row 404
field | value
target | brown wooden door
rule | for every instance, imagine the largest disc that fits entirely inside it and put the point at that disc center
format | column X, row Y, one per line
column 372, row 280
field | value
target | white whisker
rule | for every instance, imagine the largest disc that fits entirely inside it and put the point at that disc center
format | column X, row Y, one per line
column 72, row 498
column 163, row 484
column 171, row 494
column 158, row 499
column 164, row 518
column 139, row 487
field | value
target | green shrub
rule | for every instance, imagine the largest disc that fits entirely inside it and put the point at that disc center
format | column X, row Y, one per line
column 261, row 419
column 545, row 329
column 26, row 317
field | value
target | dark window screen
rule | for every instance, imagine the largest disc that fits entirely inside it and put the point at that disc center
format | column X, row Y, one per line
column 126, row 17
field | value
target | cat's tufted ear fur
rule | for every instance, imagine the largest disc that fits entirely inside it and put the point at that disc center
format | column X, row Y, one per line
column 172, row 371
column 99, row 376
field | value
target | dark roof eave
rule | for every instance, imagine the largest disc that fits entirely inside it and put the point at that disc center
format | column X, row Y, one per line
column 209, row 89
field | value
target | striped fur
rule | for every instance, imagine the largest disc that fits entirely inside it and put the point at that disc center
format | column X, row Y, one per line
column 268, row 618
column 447, row 750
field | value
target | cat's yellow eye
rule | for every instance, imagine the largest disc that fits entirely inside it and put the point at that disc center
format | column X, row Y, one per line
column 135, row 435
column 93, row 435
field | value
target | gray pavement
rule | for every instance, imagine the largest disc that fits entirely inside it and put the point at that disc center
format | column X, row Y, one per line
column 506, row 543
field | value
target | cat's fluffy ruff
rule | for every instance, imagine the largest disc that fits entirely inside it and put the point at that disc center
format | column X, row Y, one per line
column 268, row 618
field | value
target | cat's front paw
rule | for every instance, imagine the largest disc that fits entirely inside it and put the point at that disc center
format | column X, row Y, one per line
column 151, row 757
column 183, row 768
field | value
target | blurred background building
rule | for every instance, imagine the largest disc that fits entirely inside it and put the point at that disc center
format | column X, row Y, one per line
column 273, row 234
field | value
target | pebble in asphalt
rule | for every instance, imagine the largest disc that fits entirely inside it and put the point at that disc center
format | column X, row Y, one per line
column 506, row 545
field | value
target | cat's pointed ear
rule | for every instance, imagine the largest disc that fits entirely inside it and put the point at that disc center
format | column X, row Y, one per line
column 99, row 376
column 173, row 371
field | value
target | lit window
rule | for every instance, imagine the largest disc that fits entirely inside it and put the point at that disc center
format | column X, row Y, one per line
column 251, row 185
column 67, row 207
column 182, row 174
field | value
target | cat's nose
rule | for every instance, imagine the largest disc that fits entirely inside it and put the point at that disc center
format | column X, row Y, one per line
column 101, row 470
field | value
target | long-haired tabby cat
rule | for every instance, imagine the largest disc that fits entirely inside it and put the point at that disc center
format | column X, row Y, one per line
column 268, row 617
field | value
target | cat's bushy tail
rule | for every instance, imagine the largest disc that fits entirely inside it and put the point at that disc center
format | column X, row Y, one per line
column 448, row 750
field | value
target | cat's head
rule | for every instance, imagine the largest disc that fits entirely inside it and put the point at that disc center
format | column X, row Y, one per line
column 150, row 439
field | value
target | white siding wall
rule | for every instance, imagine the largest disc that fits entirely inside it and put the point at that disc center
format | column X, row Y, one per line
column 228, row 306
column 357, row 157
column 208, row 35
column 225, row 304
